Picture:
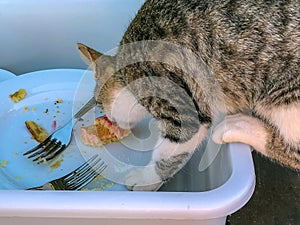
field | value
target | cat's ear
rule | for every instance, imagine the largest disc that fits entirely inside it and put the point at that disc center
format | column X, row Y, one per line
column 89, row 55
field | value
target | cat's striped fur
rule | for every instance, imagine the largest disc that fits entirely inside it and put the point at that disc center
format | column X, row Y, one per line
column 248, row 56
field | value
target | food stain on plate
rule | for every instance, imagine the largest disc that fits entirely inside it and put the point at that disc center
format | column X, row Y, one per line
column 56, row 164
column 100, row 183
column 3, row 163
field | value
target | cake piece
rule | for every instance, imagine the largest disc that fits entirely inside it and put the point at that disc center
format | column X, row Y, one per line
column 102, row 132
column 18, row 95
column 38, row 132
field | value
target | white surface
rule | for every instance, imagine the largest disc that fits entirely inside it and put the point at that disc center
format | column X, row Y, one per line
column 39, row 35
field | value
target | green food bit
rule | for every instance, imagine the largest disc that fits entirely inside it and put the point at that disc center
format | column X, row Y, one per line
column 4, row 163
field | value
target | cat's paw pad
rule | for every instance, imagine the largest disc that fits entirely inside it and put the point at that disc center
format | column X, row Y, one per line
column 143, row 179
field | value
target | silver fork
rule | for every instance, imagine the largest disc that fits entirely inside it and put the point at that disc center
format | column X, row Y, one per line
column 78, row 178
column 59, row 140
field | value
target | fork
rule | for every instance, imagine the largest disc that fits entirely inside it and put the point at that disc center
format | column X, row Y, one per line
column 59, row 140
column 78, row 178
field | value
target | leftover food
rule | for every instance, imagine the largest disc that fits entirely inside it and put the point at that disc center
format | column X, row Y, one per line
column 38, row 132
column 102, row 132
column 18, row 95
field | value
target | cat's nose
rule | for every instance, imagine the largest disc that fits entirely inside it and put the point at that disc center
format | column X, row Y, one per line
column 95, row 75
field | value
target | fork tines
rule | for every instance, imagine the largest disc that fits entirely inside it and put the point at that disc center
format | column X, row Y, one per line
column 84, row 174
column 46, row 150
column 78, row 178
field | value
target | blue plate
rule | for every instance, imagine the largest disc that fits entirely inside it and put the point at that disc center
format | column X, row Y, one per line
column 5, row 75
column 43, row 89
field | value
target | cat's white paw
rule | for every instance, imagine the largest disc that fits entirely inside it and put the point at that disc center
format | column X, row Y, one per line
column 143, row 179
column 241, row 128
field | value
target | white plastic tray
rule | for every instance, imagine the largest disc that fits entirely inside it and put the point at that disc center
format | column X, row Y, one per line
column 117, row 208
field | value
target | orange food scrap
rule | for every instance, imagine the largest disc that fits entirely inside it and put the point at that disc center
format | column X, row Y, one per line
column 18, row 95
column 38, row 132
column 102, row 132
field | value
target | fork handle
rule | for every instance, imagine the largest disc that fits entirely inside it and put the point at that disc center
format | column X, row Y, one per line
column 90, row 104
column 45, row 187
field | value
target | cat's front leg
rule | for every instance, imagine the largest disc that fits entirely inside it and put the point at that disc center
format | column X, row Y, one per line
column 241, row 128
column 272, row 141
column 167, row 159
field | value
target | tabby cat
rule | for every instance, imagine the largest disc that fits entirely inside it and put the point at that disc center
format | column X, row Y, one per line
column 187, row 62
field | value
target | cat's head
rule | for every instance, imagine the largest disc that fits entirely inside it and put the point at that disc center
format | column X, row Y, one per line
column 112, row 97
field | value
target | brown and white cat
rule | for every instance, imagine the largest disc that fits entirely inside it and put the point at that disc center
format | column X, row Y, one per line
column 188, row 61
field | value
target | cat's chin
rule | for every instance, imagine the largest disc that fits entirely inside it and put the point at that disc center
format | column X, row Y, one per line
column 126, row 126
column 125, row 110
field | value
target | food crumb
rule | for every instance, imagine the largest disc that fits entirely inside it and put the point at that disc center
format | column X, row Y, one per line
column 56, row 164
column 3, row 163
column 54, row 124
column 38, row 132
column 105, row 185
column 58, row 101
column 17, row 177
column 15, row 153
column 18, row 95
column 42, row 160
